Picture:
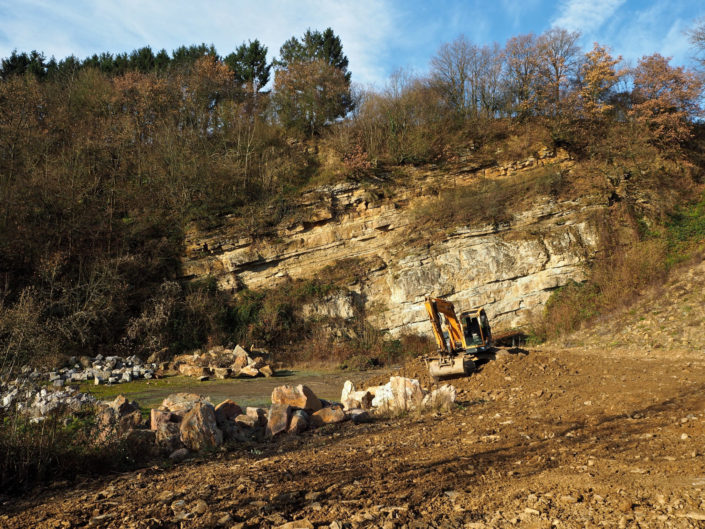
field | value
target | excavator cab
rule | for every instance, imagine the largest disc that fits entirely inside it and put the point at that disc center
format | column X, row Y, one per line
column 457, row 338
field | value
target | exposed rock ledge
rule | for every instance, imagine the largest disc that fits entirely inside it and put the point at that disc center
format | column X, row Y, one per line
column 510, row 269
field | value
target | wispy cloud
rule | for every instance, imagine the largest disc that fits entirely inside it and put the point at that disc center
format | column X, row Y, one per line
column 84, row 27
column 585, row 15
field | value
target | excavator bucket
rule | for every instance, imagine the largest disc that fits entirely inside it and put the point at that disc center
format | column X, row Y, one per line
column 450, row 366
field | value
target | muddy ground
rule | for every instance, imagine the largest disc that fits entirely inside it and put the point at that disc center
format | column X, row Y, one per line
column 563, row 438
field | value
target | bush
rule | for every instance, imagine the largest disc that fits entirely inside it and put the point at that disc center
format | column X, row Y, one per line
column 60, row 446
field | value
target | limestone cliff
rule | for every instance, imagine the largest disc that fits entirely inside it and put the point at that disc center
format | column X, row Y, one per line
column 510, row 269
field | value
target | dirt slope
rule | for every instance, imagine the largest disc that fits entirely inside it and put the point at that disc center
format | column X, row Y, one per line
column 670, row 315
column 569, row 438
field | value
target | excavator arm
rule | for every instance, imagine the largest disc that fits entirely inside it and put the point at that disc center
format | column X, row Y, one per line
column 435, row 307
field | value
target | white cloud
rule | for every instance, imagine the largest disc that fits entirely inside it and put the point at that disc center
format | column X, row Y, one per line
column 585, row 15
column 84, row 27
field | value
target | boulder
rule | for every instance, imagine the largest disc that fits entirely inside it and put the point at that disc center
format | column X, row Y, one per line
column 266, row 371
column 442, row 399
column 297, row 397
column 242, row 358
column 168, row 436
column 116, row 418
column 278, row 419
column 226, row 411
column 249, row 371
column 141, row 443
column 299, row 422
column 189, row 370
column 399, row 394
column 240, row 362
column 122, row 406
column 348, row 388
column 234, row 431
column 359, row 416
column 351, row 398
column 221, row 373
column 327, row 416
column 258, row 414
column 245, row 421
column 160, row 416
column 199, row 429
column 180, row 403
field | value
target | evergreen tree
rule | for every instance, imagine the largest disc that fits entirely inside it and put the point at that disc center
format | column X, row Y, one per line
column 249, row 64
column 315, row 45
column 142, row 59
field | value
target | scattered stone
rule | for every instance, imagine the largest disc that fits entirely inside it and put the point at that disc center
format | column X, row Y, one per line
column 200, row 508
column 297, row 397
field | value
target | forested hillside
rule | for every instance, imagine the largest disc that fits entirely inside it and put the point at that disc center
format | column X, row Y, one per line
column 105, row 162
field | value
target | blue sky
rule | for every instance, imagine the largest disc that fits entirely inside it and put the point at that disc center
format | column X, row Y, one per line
column 378, row 36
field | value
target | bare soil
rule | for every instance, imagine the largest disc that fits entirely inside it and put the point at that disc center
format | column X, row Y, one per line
column 541, row 438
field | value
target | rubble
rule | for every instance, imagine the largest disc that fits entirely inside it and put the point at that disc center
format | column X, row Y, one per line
column 220, row 363
column 37, row 402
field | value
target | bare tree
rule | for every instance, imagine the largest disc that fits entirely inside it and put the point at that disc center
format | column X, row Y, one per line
column 452, row 70
column 522, row 66
column 697, row 38
column 559, row 59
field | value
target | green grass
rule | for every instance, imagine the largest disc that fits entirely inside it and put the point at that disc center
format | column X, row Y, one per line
column 685, row 232
column 327, row 384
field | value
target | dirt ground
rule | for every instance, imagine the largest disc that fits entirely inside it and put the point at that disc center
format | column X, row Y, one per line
column 562, row 438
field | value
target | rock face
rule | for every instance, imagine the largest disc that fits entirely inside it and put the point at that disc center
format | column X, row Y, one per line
column 510, row 269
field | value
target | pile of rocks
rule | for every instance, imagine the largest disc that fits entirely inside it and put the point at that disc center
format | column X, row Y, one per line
column 219, row 363
column 38, row 402
column 186, row 422
column 99, row 369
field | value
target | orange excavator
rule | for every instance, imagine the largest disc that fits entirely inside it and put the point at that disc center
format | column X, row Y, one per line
column 458, row 339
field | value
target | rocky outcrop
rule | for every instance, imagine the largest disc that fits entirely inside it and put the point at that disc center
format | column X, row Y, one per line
column 510, row 269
